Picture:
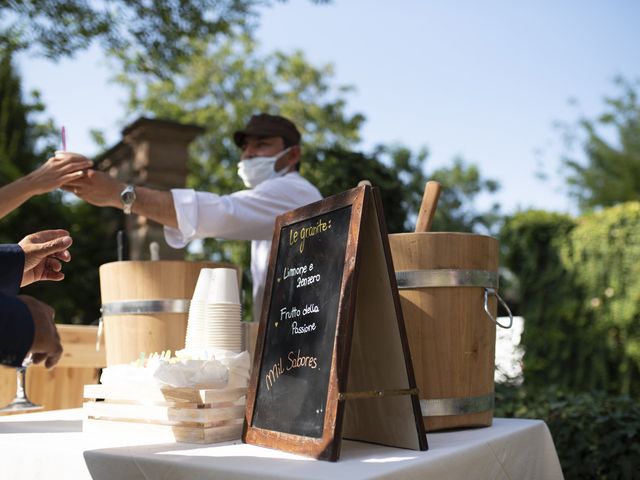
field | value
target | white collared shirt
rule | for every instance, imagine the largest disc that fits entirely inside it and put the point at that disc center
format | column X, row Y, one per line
column 243, row 215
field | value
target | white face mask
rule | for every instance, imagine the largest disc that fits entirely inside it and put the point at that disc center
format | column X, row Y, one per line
column 256, row 170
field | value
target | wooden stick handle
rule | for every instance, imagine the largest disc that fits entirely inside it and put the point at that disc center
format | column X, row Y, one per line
column 428, row 206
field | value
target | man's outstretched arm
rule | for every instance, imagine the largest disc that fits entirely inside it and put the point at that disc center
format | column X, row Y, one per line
column 98, row 188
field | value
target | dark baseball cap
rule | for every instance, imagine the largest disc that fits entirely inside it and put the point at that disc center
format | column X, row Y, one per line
column 265, row 125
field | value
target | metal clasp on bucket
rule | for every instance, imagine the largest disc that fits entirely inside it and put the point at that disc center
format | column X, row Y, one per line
column 455, row 278
column 491, row 291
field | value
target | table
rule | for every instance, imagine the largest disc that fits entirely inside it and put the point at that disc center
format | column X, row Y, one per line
column 52, row 445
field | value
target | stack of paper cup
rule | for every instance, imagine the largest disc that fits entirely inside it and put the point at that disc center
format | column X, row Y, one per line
column 222, row 319
column 197, row 312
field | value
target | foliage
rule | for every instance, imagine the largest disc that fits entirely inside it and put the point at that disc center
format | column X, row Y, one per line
column 336, row 170
column 580, row 297
column 597, row 436
column 24, row 143
column 17, row 135
column 461, row 184
column 153, row 36
column 552, row 338
column 611, row 173
column 603, row 253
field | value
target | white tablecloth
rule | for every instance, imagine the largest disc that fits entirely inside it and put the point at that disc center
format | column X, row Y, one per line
column 51, row 445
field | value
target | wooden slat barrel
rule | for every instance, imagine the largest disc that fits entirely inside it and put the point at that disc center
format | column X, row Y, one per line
column 451, row 337
column 154, row 296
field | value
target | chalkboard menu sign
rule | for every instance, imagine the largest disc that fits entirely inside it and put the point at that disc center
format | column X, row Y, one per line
column 327, row 359
column 301, row 325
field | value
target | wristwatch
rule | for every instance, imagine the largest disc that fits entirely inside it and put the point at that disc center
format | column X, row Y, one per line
column 128, row 196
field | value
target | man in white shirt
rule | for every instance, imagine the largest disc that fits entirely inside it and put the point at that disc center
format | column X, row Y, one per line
column 270, row 154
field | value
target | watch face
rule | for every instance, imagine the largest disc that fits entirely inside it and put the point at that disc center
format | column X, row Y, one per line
column 128, row 197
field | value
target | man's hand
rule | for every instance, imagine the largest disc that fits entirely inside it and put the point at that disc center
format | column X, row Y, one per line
column 101, row 190
column 46, row 341
column 42, row 254
column 97, row 188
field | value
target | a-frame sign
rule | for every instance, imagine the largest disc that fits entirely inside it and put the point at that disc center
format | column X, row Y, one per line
column 332, row 359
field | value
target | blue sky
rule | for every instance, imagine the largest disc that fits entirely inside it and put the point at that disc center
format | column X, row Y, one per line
column 482, row 80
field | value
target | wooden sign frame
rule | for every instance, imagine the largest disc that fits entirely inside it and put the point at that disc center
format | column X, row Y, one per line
column 372, row 394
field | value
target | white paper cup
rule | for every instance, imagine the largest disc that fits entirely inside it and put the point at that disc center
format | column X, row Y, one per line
column 201, row 292
column 223, row 287
column 235, row 347
column 195, row 333
column 222, row 313
column 196, row 320
column 60, row 153
column 218, row 321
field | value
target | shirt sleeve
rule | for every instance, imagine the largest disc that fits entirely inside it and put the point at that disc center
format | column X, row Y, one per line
column 16, row 330
column 11, row 268
column 243, row 215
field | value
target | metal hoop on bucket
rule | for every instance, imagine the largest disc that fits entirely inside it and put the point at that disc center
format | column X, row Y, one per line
column 139, row 307
column 409, row 279
column 145, row 307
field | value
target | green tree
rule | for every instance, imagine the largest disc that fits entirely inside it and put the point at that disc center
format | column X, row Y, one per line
column 336, row 170
column 610, row 172
column 554, row 335
column 580, row 296
column 401, row 176
column 24, row 143
column 603, row 255
column 154, row 36
column 17, row 136
column 462, row 183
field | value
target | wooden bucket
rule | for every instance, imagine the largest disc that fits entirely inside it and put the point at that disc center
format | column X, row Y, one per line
column 446, row 281
column 145, row 305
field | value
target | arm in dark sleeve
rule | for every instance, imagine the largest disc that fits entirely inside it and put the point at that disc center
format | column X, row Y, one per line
column 11, row 268
column 16, row 330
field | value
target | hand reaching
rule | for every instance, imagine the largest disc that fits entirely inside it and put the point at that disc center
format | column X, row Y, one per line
column 46, row 341
column 57, row 171
column 42, row 254
column 97, row 188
